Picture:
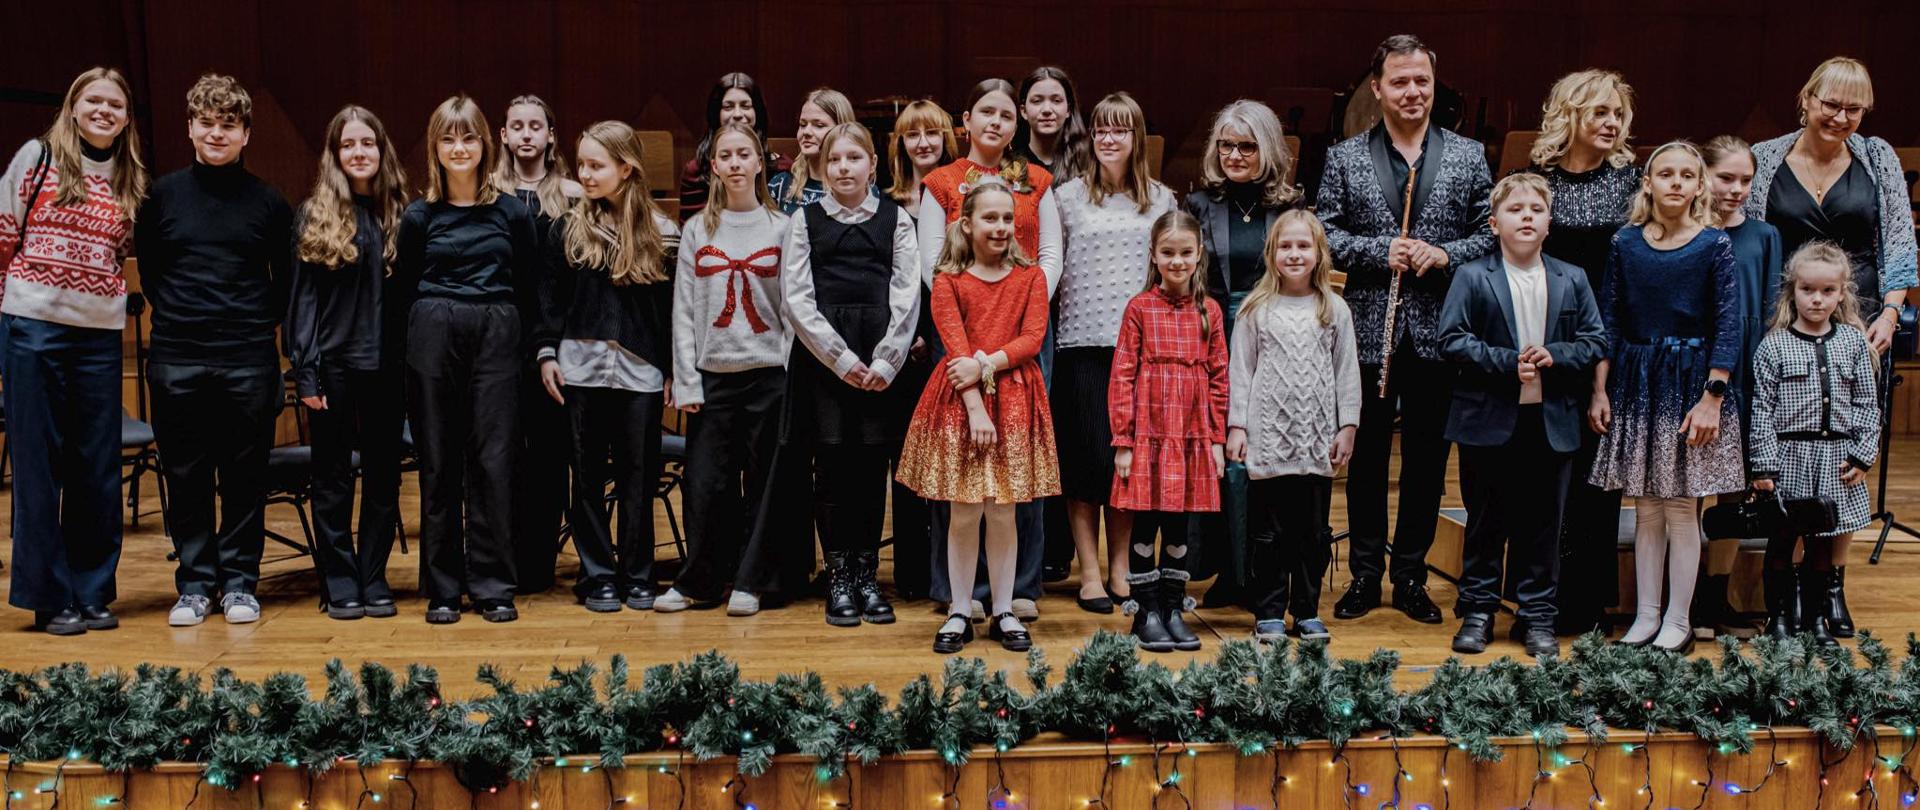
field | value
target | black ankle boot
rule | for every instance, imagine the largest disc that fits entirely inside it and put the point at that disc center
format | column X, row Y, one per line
column 1148, row 625
column 1813, row 599
column 1710, row 607
column 1778, row 585
column 873, row 603
column 1839, row 620
column 843, row 610
column 1173, row 602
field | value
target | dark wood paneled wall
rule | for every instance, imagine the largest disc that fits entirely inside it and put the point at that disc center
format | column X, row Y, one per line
column 1700, row 68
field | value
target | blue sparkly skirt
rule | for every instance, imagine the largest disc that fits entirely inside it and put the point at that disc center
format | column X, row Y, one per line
column 1650, row 387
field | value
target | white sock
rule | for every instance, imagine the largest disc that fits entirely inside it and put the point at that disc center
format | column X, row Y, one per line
column 1683, row 567
column 954, row 624
column 1649, row 562
column 1003, row 551
column 963, row 553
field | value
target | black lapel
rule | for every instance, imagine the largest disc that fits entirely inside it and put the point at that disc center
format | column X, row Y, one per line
column 1556, row 293
column 1377, row 146
column 1222, row 239
column 1432, row 158
column 1502, row 291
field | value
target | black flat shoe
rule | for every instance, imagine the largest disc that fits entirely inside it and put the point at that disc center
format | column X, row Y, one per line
column 1100, row 604
column 602, row 598
column 98, row 617
column 1685, row 648
column 59, row 622
column 443, row 611
column 497, row 611
column 381, row 607
column 1537, row 640
column 1014, row 640
column 949, row 643
column 346, row 610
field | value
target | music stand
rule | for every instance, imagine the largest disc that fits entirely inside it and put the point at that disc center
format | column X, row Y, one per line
column 1881, row 513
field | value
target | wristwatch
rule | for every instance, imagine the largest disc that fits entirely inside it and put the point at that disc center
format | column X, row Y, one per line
column 1717, row 388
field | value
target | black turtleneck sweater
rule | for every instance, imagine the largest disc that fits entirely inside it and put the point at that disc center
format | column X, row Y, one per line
column 214, row 242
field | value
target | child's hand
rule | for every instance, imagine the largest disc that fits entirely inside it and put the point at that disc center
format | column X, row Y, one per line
column 1342, row 447
column 963, row 372
column 918, row 351
column 859, row 376
column 1850, row 474
column 1702, row 423
column 1237, row 445
column 1123, row 462
column 1538, row 356
column 551, row 378
column 1528, row 372
column 1219, row 462
column 980, row 428
column 1766, row 484
column 1599, row 413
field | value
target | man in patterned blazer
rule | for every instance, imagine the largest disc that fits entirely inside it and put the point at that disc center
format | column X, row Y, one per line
column 1362, row 198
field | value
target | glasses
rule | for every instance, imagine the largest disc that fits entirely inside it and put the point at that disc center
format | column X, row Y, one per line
column 1230, row 148
column 1112, row 134
column 1834, row 109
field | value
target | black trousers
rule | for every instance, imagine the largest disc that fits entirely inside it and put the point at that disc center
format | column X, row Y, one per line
column 213, row 427
column 365, row 411
column 540, row 499
column 1288, row 544
column 1515, row 494
column 463, row 385
column 731, row 450
column 1589, row 544
column 1174, row 529
column 615, row 437
column 849, row 496
column 1421, row 392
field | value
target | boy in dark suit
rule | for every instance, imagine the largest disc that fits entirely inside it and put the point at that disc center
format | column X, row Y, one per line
column 1524, row 332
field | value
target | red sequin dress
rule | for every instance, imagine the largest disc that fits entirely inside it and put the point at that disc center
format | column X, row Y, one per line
column 1167, row 400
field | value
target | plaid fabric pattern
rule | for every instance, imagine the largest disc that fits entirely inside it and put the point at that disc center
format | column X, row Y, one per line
column 1167, row 400
column 1805, row 386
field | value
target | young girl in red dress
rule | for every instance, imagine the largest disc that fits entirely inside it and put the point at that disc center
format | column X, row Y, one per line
column 1167, row 403
column 981, row 437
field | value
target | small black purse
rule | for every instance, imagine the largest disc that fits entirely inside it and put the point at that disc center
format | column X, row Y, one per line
column 1765, row 514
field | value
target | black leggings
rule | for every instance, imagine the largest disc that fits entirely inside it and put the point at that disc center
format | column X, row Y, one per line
column 1176, row 546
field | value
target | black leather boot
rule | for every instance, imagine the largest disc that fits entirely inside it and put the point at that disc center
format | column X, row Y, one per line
column 1780, row 594
column 1148, row 625
column 1839, row 620
column 873, row 604
column 1173, row 602
column 1813, row 598
column 843, row 609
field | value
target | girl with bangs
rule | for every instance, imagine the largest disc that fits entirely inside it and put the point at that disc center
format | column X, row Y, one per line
column 734, row 99
column 602, row 346
column 1106, row 219
column 730, row 348
column 467, row 255
column 1052, row 134
column 66, row 222
column 922, row 141
column 851, row 278
column 347, row 339
column 824, row 108
column 1584, row 152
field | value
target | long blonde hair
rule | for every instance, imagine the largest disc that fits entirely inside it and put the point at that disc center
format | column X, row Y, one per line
column 328, row 225
column 551, row 190
column 837, row 107
column 1569, row 100
column 1171, row 222
column 1267, row 289
column 459, row 115
column 1120, row 110
column 956, row 255
column 620, row 233
column 922, row 114
column 1818, row 252
column 1700, row 210
column 1258, row 120
column 65, row 150
column 710, row 215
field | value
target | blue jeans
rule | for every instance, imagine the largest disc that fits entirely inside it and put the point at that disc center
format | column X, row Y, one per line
column 63, row 426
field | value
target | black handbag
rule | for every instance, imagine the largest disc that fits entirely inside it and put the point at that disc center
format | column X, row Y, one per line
column 1765, row 514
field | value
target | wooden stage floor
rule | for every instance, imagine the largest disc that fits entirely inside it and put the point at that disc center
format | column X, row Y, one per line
column 292, row 635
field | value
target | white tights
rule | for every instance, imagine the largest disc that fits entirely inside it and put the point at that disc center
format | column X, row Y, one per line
column 963, row 554
column 1666, row 539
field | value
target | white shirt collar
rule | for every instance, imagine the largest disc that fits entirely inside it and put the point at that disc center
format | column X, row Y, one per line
column 832, row 206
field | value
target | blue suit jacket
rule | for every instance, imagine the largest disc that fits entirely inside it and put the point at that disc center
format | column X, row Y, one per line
column 1477, row 333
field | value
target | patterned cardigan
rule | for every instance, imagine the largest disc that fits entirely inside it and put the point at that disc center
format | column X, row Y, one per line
column 1450, row 211
column 1895, row 245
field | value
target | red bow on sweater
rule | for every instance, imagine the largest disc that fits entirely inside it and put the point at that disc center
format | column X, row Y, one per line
column 764, row 263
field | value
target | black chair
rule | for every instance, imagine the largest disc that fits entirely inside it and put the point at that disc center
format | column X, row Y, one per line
column 673, row 457
column 139, row 454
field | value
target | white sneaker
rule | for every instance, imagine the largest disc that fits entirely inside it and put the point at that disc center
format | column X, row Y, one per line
column 673, row 601
column 240, row 608
column 1026, row 610
column 189, row 611
column 743, row 603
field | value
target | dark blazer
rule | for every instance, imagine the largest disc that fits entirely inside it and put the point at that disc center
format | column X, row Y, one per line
column 1359, row 207
column 1477, row 333
column 1212, row 212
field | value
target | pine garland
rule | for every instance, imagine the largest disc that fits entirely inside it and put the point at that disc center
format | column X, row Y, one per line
column 1257, row 699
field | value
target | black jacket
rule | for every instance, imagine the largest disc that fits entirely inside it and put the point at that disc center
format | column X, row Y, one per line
column 1477, row 334
column 583, row 303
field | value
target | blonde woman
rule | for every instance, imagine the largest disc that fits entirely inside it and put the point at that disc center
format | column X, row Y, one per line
column 347, row 356
column 824, row 108
column 466, row 252
column 922, row 141
column 71, row 192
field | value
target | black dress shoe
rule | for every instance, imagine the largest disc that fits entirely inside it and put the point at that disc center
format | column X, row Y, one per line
column 949, row 643
column 1476, row 632
column 59, row 622
column 346, row 609
column 1055, row 573
column 497, row 610
column 1013, row 640
column 443, row 611
column 1538, row 640
column 1101, row 604
column 1362, row 596
column 1411, row 598
column 98, row 617
column 639, row 597
column 381, row 607
column 602, row 598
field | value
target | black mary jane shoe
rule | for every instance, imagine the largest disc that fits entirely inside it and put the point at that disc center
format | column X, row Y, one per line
column 382, row 607
column 346, row 609
column 1685, row 648
column 948, row 643
column 443, row 611
column 98, row 617
column 1012, row 640
column 602, row 598
column 59, row 622
column 1102, row 604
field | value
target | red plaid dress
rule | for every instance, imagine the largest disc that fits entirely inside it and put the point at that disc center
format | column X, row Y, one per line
column 1167, row 400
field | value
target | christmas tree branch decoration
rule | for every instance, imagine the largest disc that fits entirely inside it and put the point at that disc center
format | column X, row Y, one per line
column 1258, row 699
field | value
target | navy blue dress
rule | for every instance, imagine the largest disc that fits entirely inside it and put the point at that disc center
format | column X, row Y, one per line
column 1671, row 316
column 1757, row 259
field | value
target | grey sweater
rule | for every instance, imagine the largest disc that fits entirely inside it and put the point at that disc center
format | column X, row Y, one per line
column 1294, row 384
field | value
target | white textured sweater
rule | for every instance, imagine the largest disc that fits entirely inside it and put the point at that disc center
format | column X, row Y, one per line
column 1294, row 384
column 1104, row 262
column 727, row 314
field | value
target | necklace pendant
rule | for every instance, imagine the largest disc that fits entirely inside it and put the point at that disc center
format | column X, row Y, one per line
column 1246, row 217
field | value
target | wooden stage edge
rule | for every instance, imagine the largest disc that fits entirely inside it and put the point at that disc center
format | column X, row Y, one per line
column 1629, row 769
